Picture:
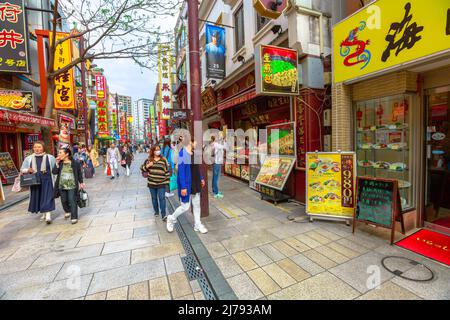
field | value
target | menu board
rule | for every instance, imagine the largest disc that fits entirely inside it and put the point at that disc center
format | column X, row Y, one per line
column 377, row 201
column 281, row 139
column 7, row 166
column 275, row 171
column 330, row 184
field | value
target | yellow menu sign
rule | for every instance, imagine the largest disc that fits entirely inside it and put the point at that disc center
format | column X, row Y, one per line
column 389, row 33
column 330, row 189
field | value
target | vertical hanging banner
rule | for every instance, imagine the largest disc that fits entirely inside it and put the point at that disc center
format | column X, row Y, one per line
column 102, row 120
column 100, row 86
column 165, row 80
column 13, row 37
column 215, row 52
column 64, row 82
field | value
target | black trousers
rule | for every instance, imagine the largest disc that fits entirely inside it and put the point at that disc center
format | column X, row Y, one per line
column 69, row 202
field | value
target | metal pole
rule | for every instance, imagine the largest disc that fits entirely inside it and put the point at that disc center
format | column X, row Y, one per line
column 83, row 88
column 195, row 89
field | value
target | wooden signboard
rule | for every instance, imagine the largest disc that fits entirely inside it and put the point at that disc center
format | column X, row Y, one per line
column 7, row 167
column 378, row 203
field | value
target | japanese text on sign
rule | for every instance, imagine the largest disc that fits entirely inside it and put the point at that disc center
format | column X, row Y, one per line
column 165, row 80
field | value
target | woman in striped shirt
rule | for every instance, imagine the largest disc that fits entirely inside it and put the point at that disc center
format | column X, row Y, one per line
column 158, row 178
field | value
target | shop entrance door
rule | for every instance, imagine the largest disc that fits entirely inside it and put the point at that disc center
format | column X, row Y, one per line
column 437, row 213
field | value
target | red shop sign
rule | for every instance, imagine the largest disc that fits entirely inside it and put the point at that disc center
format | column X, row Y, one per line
column 10, row 116
column 237, row 100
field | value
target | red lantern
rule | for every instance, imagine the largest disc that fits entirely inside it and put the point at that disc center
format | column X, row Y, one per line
column 55, row 137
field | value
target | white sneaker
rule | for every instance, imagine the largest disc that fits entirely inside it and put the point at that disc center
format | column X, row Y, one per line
column 74, row 221
column 168, row 195
column 201, row 228
column 67, row 216
column 170, row 223
column 48, row 217
column 43, row 217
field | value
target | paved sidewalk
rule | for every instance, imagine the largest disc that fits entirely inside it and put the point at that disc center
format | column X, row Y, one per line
column 265, row 255
column 12, row 198
column 118, row 249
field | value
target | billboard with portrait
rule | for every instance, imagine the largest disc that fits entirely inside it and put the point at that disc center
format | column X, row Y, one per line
column 215, row 52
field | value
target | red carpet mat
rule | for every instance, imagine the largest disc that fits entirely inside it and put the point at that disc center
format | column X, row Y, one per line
column 445, row 222
column 430, row 244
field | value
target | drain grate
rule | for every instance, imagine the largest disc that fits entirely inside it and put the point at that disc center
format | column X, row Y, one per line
column 192, row 268
column 206, row 289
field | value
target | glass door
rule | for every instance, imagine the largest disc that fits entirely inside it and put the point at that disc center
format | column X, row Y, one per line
column 438, row 159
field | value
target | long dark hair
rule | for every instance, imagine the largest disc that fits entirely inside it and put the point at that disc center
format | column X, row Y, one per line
column 68, row 152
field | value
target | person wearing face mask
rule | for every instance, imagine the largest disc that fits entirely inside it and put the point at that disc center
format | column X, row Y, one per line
column 190, row 183
column 41, row 196
column 158, row 179
column 68, row 182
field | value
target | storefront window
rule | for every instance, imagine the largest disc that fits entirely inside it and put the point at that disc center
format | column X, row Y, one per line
column 383, row 142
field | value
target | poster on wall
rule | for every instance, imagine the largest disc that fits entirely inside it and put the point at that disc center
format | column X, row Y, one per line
column 13, row 37
column 215, row 51
column 275, row 172
column 165, row 80
column 281, row 139
column 17, row 100
column 330, row 184
column 7, row 167
column 100, row 86
column 276, row 71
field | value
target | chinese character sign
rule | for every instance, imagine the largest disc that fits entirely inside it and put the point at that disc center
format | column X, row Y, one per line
column 215, row 52
column 100, row 86
column 17, row 100
column 165, row 80
column 388, row 34
column 13, row 37
column 276, row 71
column 102, row 119
column 64, row 82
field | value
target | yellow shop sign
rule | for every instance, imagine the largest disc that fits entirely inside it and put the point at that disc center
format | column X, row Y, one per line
column 389, row 33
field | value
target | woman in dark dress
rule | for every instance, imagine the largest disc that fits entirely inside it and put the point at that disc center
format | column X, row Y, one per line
column 41, row 196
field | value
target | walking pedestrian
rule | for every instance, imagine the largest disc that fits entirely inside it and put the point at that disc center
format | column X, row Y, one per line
column 158, row 178
column 167, row 154
column 113, row 158
column 127, row 158
column 93, row 155
column 190, row 183
column 217, row 153
column 68, row 182
column 41, row 195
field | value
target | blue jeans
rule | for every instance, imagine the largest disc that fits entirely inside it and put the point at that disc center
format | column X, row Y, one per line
column 158, row 194
column 216, row 175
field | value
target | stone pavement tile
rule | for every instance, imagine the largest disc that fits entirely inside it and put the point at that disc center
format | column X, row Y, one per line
column 173, row 264
column 349, row 253
column 143, row 205
column 56, row 228
column 320, row 259
column 139, row 291
column 58, row 290
column 132, row 225
column 228, row 266
column 94, row 264
column 216, row 249
column 28, row 278
column 222, row 235
column 11, row 266
column 195, row 286
column 291, row 229
column 244, row 242
column 272, row 253
column 293, row 270
column 156, row 252
column 284, row 248
column 259, row 257
column 105, row 237
column 159, row 289
column 244, row 261
column 179, row 285
column 389, row 291
column 355, row 246
column 96, row 296
column 187, row 297
column 244, row 288
column 68, row 255
column 110, row 220
column 296, row 244
column 117, row 294
column 340, row 229
column 119, row 277
column 332, row 254
column 368, row 241
column 144, row 231
column 165, row 237
column 265, row 223
column 199, row 296
column 310, row 242
column 328, row 234
column 264, row 282
column 357, row 272
column 323, row 286
column 318, row 237
column 282, row 278
column 437, row 289
column 130, row 244
column 5, row 253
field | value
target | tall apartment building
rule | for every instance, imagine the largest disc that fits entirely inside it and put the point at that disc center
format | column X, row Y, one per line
column 141, row 114
column 126, row 104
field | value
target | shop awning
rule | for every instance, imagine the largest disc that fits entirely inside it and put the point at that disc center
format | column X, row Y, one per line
column 238, row 99
column 19, row 117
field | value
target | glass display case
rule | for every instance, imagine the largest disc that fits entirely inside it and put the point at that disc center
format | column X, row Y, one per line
column 383, row 142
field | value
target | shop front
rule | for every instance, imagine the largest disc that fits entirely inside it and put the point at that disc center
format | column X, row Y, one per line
column 398, row 100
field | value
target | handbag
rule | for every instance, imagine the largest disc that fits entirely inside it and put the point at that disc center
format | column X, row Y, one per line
column 29, row 180
column 83, row 199
column 16, row 187
column 173, row 185
column 88, row 172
